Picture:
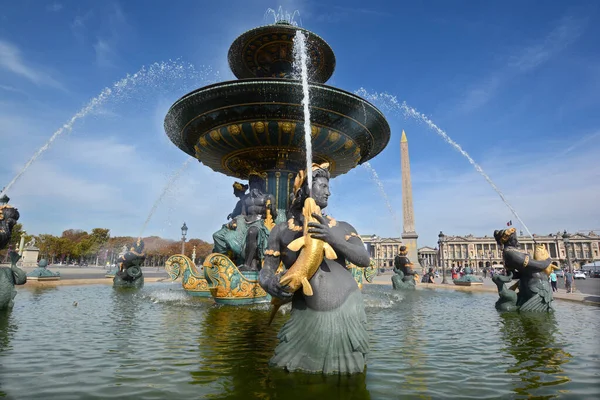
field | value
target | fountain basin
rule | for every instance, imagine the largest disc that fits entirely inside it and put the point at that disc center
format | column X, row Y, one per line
column 249, row 125
column 159, row 342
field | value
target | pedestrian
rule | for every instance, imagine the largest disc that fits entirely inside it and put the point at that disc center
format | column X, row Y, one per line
column 568, row 281
column 553, row 281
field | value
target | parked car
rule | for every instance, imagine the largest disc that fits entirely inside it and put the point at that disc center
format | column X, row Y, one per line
column 559, row 273
column 579, row 275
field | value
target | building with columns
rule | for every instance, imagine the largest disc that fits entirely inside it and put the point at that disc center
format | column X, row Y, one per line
column 480, row 252
column 383, row 251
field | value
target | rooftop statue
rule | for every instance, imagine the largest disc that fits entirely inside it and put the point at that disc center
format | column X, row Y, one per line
column 130, row 274
column 534, row 293
column 405, row 276
column 9, row 277
column 326, row 331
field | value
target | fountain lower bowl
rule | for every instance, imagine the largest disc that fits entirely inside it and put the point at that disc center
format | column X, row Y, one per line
column 236, row 127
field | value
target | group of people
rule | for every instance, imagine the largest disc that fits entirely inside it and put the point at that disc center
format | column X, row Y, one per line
column 568, row 281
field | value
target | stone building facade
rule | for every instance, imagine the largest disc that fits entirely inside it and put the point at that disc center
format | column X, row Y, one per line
column 480, row 252
column 383, row 251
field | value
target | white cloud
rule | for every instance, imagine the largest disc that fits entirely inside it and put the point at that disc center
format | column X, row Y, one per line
column 11, row 60
column 54, row 7
column 104, row 53
column 523, row 60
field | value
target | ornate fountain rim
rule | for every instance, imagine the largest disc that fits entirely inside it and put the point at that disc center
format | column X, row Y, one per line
column 206, row 114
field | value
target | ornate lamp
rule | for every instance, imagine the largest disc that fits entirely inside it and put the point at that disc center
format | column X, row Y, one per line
column 184, row 230
column 442, row 237
column 566, row 239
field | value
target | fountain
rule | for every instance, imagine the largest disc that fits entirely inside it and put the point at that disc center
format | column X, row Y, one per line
column 405, row 277
column 255, row 129
column 130, row 274
column 42, row 273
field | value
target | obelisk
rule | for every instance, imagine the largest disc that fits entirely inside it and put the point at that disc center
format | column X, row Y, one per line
column 409, row 234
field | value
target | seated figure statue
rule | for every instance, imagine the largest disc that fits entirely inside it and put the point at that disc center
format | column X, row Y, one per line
column 130, row 267
column 405, row 276
column 9, row 277
column 326, row 332
column 244, row 239
column 8, row 218
column 534, row 293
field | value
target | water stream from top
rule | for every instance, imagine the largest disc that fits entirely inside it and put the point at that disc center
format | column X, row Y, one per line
column 379, row 184
column 172, row 179
column 300, row 63
column 146, row 76
column 391, row 103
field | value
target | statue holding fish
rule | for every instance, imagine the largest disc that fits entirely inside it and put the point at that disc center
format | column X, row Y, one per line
column 326, row 331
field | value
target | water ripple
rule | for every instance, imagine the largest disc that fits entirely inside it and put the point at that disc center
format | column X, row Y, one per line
column 160, row 343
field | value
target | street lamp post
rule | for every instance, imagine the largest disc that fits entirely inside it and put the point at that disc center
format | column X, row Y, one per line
column 184, row 230
column 441, row 237
column 566, row 240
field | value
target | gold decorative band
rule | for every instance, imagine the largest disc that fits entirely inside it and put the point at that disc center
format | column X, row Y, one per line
column 353, row 234
column 292, row 226
column 526, row 261
column 272, row 253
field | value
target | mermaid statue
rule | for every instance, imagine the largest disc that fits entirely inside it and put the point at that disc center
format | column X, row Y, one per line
column 534, row 292
column 130, row 274
column 405, row 276
column 326, row 332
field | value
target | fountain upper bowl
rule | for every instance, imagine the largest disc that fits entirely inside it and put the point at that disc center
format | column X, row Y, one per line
column 241, row 126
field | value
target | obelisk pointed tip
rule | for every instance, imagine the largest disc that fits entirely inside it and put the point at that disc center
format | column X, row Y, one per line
column 403, row 140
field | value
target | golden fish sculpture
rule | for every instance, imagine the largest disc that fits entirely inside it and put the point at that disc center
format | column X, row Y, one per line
column 310, row 258
column 540, row 253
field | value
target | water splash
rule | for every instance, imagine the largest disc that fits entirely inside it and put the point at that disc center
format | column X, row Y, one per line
column 375, row 178
column 282, row 16
column 167, row 188
column 301, row 65
column 146, row 76
column 391, row 103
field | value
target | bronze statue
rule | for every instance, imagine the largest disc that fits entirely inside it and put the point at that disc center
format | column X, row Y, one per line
column 130, row 267
column 534, row 293
column 9, row 277
column 244, row 239
column 8, row 219
column 326, row 332
column 405, row 276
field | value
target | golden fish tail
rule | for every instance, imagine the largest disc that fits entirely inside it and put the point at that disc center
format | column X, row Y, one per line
column 306, row 287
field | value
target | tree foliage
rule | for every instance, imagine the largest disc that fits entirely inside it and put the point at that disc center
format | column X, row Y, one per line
column 98, row 247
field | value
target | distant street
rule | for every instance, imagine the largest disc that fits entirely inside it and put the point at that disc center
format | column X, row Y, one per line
column 97, row 272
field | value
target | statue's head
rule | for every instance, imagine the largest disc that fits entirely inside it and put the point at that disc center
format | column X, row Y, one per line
column 256, row 183
column 239, row 189
column 43, row 263
column 320, row 185
column 4, row 200
column 506, row 236
column 403, row 251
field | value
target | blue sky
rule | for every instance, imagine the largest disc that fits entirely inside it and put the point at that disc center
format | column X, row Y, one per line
column 516, row 84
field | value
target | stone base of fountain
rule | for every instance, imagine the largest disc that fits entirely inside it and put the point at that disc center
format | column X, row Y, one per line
column 468, row 280
column 41, row 273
